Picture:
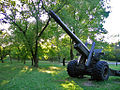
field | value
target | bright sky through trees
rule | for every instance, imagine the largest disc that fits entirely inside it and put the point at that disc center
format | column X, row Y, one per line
column 112, row 24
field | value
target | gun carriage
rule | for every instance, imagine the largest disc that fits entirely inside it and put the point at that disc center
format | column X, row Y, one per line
column 88, row 62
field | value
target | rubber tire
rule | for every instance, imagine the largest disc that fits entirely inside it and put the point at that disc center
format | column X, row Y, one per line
column 71, row 69
column 101, row 71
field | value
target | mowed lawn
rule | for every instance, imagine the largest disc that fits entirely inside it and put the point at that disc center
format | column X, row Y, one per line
column 49, row 76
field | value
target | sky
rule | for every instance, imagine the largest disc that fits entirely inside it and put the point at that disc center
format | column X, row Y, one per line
column 112, row 24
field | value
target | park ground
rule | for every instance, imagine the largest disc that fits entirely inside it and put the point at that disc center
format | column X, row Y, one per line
column 49, row 76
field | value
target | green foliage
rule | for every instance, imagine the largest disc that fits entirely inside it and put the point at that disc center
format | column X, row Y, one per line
column 3, row 52
column 114, row 55
column 112, row 52
column 4, row 45
column 84, row 18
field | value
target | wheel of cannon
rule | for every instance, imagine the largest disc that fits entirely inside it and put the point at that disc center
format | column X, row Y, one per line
column 71, row 69
column 101, row 71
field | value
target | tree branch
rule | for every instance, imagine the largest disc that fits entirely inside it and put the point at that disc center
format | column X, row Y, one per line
column 44, row 27
column 14, row 14
column 7, row 17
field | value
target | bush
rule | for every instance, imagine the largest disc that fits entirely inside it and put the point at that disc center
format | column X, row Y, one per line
column 114, row 55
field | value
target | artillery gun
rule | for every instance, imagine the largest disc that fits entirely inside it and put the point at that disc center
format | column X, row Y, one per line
column 88, row 62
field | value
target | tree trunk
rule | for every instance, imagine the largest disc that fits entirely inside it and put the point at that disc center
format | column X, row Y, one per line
column 32, row 61
column 35, row 61
column 63, row 61
column 18, row 58
column 36, row 44
column 71, row 53
column 24, row 61
column 36, row 53
column 10, row 59
column 2, row 60
column 34, row 57
column 71, row 42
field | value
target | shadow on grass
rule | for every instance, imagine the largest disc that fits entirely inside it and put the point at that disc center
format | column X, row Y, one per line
column 112, row 84
column 7, row 72
column 14, row 76
column 48, row 76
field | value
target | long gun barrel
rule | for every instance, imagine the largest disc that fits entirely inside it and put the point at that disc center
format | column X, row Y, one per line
column 80, row 46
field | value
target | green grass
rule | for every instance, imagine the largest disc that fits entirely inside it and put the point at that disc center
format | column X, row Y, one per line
column 49, row 76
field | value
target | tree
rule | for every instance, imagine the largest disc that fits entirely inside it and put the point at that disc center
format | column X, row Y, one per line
column 4, row 46
column 20, row 13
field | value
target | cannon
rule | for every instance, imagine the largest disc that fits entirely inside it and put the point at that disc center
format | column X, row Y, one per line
column 88, row 62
